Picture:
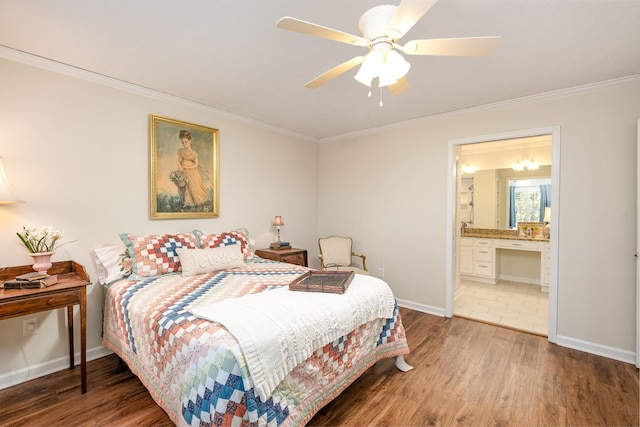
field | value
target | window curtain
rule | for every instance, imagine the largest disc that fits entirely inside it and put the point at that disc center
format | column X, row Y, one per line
column 512, row 207
column 545, row 199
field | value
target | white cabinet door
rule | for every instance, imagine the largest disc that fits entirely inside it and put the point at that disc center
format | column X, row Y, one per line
column 466, row 255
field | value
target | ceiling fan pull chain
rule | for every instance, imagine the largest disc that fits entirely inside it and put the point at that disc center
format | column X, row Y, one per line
column 382, row 105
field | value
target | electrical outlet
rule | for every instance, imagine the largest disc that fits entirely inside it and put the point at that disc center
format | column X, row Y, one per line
column 381, row 272
column 30, row 326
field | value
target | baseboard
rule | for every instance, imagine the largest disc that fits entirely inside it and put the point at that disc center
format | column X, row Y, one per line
column 598, row 349
column 527, row 280
column 436, row 311
column 576, row 344
column 48, row 367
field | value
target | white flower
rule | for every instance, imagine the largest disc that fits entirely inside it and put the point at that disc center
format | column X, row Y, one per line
column 43, row 240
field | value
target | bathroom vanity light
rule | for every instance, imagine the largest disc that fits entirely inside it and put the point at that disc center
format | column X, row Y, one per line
column 528, row 165
column 466, row 169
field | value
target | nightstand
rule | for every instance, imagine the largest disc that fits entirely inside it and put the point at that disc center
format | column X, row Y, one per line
column 291, row 255
column 71, row 289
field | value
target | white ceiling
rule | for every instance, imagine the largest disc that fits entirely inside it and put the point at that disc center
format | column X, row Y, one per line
column 230, row 56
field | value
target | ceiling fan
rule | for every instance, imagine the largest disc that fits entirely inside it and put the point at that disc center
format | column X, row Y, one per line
column 381, row 28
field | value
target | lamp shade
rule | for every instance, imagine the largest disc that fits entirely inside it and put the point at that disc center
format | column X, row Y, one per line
column 370, row 67
column 6, row 195
column 385, row 64
column 547, row 214
column 278, row 222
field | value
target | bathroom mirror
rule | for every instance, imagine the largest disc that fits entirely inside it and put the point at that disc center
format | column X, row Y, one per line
column 490, row 171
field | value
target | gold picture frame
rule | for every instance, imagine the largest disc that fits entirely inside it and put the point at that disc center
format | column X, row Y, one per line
column 531, row 230
column 185, row 170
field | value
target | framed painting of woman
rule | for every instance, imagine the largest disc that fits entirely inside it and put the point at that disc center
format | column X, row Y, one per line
column 185, row 170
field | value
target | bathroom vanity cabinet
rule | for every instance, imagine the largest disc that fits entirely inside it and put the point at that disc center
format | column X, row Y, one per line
column 480, row 258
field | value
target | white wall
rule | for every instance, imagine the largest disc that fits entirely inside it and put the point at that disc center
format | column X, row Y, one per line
column 394, row 204
column 78, row 153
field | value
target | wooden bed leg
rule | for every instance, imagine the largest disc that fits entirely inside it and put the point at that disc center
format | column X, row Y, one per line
column 402, row 365
column 121, row 366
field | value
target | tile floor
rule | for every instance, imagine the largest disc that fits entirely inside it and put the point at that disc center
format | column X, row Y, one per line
column 512, row 304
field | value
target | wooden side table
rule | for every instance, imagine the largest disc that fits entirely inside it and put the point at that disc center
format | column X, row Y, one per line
column 291, row 255
column 70, row 290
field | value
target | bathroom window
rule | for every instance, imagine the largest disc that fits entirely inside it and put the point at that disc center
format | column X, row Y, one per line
column 527, row 200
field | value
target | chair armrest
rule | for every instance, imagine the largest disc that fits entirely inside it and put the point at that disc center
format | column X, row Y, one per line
column 364, row 260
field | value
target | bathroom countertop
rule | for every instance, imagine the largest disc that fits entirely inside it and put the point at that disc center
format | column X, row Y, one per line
column 490, row 233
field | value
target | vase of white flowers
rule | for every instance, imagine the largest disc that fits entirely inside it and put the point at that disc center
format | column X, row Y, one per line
column 41, row 245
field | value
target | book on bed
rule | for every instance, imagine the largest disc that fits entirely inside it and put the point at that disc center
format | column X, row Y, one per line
column 335, row 282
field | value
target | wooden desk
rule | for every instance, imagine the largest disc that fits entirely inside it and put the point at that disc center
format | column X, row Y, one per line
column 71, row 289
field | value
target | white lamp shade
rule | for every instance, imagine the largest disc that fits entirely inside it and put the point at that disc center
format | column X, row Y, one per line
column 547, row 214
column 395, row 67
column 370, row 67
column 6, row 195
column 398, row 66
column 278, row 222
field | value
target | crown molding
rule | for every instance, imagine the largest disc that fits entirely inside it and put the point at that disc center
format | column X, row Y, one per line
column 561, row 93
column 101, row 79
column 82, row 74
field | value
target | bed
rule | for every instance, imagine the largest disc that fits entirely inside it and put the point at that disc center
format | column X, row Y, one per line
column 163, row 294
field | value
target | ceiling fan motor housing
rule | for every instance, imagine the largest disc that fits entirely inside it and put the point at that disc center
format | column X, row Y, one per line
column 373, row 23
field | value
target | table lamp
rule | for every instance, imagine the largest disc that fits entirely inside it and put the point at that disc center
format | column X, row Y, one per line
column 278, row 222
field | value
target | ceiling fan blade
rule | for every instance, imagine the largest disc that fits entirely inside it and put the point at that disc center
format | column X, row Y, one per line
column 334, row 72
column 408, row 13
column 401, row 87
column 468, row 46
column 304, row 27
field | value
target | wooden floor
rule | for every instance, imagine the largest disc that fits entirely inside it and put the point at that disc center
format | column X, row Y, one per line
column 465, row 373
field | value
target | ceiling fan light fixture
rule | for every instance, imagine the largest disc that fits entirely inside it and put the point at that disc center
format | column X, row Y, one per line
column 364, row 79
column 398, row 66
column 386, row 80
column 394, row 68
column 370, row 67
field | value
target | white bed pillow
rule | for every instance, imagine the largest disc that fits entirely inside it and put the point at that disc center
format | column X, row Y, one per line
column 112, row 263
column 199, row 261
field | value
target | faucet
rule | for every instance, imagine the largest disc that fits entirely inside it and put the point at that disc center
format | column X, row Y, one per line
column 464, row 227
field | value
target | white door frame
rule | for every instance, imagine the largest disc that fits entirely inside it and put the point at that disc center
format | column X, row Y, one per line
column 451, row 266
column 638, row 250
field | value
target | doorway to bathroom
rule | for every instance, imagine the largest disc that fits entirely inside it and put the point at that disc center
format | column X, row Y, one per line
column 498, row 274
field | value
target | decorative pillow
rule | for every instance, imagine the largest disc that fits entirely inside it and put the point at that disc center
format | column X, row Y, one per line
column 199, row 261
column 252, row 242
column 225, row 239
column 112, row 263
column 155, row 254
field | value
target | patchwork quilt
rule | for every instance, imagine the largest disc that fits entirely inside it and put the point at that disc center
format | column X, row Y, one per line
column 194, row 368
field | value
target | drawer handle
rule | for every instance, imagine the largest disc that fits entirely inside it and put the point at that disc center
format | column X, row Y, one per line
column 516, row 244
column 484, row 252
column 51, row 300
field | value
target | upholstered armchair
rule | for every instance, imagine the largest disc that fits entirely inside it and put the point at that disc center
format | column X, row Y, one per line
column 336, row 253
